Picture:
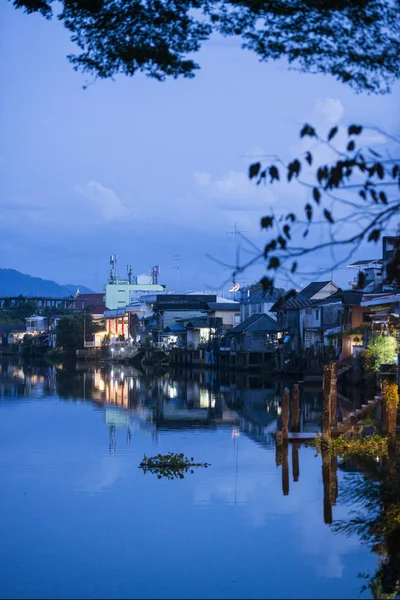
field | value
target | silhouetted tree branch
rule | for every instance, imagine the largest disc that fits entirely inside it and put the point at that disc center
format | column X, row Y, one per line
column 356, row 41
column 350, row 199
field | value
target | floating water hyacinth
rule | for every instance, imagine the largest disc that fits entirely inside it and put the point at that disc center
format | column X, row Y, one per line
column 171, row 465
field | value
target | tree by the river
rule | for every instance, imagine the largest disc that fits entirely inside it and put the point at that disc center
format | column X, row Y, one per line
column 356, row 41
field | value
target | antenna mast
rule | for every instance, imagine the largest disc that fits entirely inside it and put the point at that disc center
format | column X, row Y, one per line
column 113, row 268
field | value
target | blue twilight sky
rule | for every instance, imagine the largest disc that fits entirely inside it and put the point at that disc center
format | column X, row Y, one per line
column 151, row 171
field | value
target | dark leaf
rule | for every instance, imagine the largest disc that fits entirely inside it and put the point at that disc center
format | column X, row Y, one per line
column 290, row 294
column 266, row 283
column 374, row 235
column 274, row 173
column 286, row 231
column 322, row 173
column 308, row 130
column 305, row 234
column 354, row 130
column 351, row 145
column 309, row 158
column 316, row 195
column 294, row 267
column 267, row 222
column 282, row 242
column 309, row 211
column 374, row 195
column 270, row 246
column 290, row 217
column 363, row 194
column 380, row 170
column 254, row 170
column 328, row 216
column 262, row 177
column 294, row 169
column 395, row 171
column 274, row 262
column 383, row 197
column 332, row 132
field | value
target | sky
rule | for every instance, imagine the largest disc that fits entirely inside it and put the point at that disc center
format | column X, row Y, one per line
column 153, row 172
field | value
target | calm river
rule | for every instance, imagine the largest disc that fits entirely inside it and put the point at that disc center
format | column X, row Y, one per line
column 79, row 519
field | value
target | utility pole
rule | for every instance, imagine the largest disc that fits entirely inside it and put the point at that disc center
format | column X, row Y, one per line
column 237, row 238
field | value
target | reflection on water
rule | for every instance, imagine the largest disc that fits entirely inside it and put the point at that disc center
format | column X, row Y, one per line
column 79, row 519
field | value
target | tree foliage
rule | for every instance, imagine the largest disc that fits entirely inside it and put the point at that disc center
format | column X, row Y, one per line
column 382, row 350
column 351, row 199
column 72, row 330
column 356, row 41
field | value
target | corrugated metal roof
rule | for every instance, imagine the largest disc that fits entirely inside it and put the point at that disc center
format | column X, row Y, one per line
column 299, row 301
column 350, row 297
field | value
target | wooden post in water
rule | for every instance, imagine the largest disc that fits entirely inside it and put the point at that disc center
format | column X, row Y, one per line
column 333, row 392
column 295, row 461
column 326, row 407
column 296, row 408
column 327, row 482
column 334, row 480
column 285, row 468
column 285, row 414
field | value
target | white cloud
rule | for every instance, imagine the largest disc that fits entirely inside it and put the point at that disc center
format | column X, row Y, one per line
column 106, row 200
column 330, row 109
column 233, row 191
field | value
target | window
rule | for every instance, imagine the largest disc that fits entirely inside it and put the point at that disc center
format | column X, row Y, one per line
column 317, row 314
column 308, row 311
column 237, row 318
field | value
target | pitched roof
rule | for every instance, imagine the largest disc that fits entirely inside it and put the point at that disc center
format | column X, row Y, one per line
column 204, row 322
column 9, row 327
column 260, row 322
column 299, row 301
column 314, row 287
column 258, row 295
column 350, row 297
column 364, row 263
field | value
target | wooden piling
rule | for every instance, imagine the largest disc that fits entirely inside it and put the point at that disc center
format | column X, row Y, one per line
column 295, row 462
column 285, row 468
column 285, row 414
column 326, row 408
column 333, row 392
column 296, row 408
column 327, row 483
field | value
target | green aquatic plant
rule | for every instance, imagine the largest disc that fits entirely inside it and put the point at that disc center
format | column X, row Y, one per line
column 345, row 446
column 171, row 465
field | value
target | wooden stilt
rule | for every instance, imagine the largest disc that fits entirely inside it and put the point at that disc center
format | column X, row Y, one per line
column 296, row 408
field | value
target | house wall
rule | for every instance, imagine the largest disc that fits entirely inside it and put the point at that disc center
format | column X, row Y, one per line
column 118, row 295
column 331, row 314
column 229, row 318
column 248, row 309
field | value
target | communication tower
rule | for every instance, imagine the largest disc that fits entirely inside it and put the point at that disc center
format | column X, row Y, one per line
column 113, row 268
column 154, row 272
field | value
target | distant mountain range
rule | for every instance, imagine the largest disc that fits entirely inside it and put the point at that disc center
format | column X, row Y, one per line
column 14, row 283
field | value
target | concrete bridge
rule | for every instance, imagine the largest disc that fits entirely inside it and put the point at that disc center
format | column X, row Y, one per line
column 39, row 301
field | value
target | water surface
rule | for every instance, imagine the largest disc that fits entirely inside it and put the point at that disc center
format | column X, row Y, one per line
column 79, row 519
